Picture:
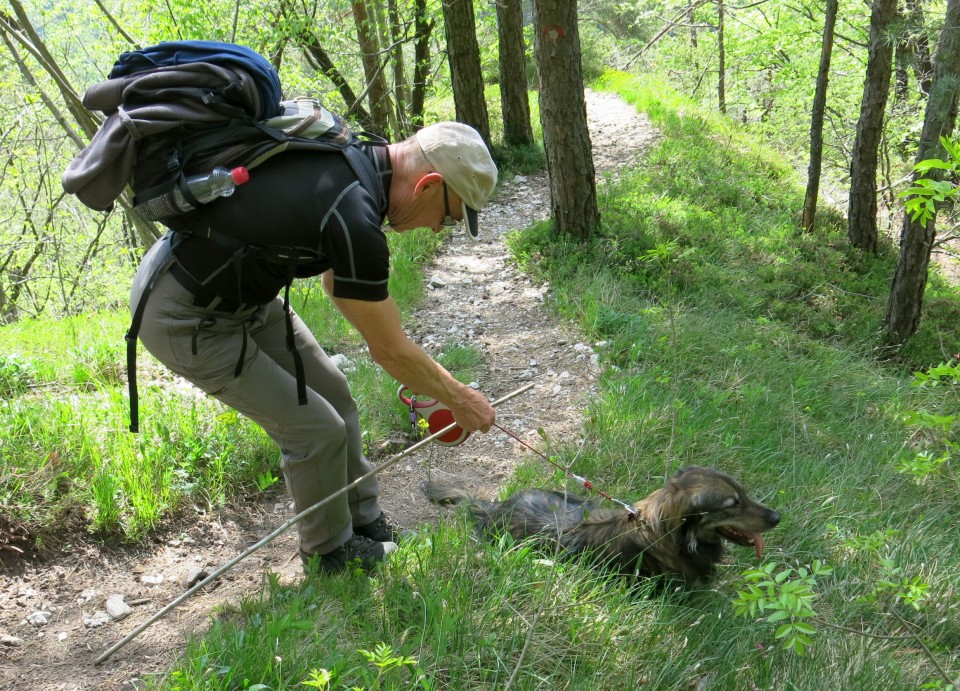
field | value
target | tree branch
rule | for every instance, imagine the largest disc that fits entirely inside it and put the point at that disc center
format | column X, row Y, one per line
column 24, row 33
column 116, row 25
column 47, row 101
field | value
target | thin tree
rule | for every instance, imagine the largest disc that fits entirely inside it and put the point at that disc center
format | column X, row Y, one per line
column 816, row 119
column 917, row 238
column 563, row 118
column 862, row 210
column 517, row 130
column 378, row 98
column 913, row 49
column 721, row 61
column 401, row 87
column 463, row 55
column 421, row 62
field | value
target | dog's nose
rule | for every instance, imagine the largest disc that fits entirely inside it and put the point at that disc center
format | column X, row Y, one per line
column 773, row 517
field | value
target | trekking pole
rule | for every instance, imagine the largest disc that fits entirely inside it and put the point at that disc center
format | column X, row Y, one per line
column 283, row 528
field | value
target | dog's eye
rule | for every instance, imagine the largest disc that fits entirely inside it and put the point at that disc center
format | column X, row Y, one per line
column 732, row 503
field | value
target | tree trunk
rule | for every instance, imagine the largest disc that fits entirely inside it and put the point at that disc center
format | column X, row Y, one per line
column 922, row 63
column 563, row 117
column 721, row 62
column 517, row 130
column 916, row 239
column 379, row 16
column 816, row 119
column 401, row 87
column 463, row 54
column 862, row 211
column 421, row 63
column 377, row 97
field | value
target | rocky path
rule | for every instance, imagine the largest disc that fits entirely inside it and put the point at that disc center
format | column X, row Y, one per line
column 57, row 617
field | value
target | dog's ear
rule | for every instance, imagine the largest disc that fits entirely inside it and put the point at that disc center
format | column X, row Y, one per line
column 697, row 492
column 672, row 506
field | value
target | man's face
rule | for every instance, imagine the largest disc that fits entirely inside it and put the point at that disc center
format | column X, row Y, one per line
column 436, row 207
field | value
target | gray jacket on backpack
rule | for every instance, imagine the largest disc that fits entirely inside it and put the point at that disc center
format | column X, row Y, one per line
column 142, row 105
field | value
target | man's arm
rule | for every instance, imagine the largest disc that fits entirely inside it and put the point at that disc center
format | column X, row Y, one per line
column 379, row 324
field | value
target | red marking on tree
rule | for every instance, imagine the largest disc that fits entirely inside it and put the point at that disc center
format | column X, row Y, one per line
column 553, row 32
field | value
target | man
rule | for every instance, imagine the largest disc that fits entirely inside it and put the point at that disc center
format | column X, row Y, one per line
column 215, row 316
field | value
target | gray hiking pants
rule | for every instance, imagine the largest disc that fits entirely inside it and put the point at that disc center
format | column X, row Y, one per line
column 319, row 442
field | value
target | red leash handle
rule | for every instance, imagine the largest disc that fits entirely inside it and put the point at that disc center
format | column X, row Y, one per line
column 437, row 416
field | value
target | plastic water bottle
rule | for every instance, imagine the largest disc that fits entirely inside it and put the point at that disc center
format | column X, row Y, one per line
column 219, row 182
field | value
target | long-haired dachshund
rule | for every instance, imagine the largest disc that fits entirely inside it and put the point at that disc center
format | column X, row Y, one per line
column 679, row 529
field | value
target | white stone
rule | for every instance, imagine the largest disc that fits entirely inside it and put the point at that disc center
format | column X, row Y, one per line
column 117, row 608
column 98, row 619
column 41, row 618
column 343, row 363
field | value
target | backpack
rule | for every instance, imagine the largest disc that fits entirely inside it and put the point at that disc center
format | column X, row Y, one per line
column 185, row 107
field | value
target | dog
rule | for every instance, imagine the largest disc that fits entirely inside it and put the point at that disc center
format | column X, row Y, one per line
column 679, row 530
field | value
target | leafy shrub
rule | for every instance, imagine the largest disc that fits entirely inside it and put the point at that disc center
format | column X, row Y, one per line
column 16, row 375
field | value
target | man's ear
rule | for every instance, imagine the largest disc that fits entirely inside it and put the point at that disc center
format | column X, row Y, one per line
column 426, row 182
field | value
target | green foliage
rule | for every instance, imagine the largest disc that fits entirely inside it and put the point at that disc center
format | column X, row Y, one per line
column 266, row 480
column 98, row 364
column 16, row 376
column 519, row 160
column 384, row 659
column 733, row 341
column 785, row 598
column 939, row 430
column 924, row 465
column 466, row 361
column 923, row 198
column 772, row 58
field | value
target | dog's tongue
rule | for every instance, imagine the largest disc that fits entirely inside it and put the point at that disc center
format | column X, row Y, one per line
column 758, row 544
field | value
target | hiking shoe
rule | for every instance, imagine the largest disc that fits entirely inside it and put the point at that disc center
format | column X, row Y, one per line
column 358, row 548
column 383, row 529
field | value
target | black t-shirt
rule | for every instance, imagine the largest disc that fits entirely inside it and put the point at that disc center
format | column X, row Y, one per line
column 309, row 200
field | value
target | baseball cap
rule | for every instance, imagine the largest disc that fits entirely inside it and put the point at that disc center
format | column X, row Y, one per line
column 459, row 154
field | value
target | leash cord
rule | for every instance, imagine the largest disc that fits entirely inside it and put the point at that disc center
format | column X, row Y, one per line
column 582, row 480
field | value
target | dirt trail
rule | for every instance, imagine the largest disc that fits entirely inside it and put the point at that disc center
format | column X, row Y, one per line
column 476, row 298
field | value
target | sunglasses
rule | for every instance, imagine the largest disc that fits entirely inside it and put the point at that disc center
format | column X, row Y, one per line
column 448, row 220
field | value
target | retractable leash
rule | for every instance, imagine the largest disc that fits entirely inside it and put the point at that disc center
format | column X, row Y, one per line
column 582, row 480
column 437, row 416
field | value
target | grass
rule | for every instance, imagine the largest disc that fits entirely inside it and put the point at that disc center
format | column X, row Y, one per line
column 728, row 339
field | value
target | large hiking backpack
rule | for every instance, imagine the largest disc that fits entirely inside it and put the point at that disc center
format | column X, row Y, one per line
column 186, row 107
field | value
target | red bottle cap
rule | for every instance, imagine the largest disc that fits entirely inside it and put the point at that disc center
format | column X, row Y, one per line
column 240, row 175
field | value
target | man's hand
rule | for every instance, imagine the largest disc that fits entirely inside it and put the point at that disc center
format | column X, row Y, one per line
column 475, row 413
